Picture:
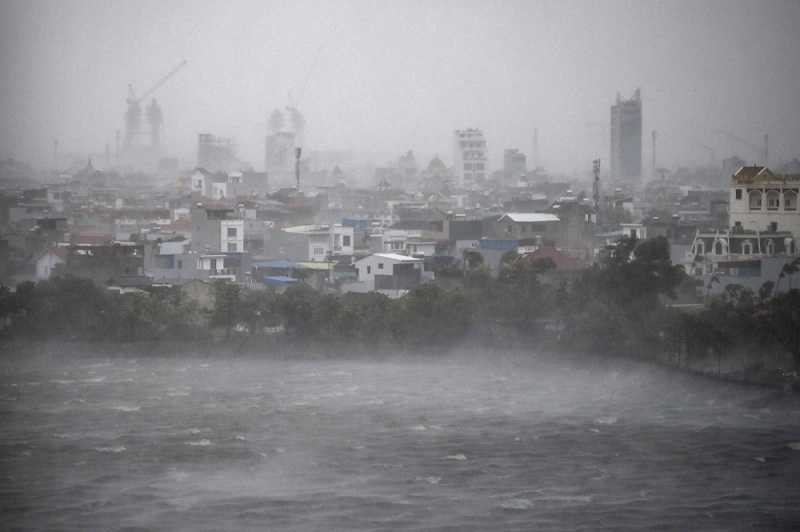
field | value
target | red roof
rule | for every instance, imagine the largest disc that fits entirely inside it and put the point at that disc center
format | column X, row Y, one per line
column 561, row 260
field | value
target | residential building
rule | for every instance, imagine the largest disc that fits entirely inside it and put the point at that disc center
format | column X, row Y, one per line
column 746, row 258
column 470, row 157
column 626, row 138
column 324, row 242
column 763, row 201
column 388, row 273
column 216, row 229
column 521, row 226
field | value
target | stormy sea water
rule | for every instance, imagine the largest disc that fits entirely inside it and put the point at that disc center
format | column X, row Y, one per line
column 487, row 442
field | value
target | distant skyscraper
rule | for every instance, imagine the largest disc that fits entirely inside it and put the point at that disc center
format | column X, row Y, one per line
column 626, row 138
column 216, row 154
column 469, row 154
column 514, row 164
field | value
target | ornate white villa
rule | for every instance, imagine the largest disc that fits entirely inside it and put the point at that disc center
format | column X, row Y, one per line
column 763, row 233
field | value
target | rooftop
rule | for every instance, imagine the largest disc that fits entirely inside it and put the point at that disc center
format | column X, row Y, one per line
column 530, row 217
column 396, row 257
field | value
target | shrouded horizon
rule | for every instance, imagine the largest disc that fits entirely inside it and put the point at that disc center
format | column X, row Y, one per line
column 380, row 78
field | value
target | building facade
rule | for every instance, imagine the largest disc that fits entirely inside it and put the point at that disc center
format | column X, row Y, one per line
column 763, row 201
column 515, row 165
column 626, row 138
column 216, row 230
column 470, row 156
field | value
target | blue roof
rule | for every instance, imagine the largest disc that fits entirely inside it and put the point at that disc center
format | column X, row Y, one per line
column 277, row 263
column 274, row 280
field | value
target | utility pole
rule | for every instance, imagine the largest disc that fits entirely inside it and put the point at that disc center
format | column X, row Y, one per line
column 297, row 151
column 596, row 190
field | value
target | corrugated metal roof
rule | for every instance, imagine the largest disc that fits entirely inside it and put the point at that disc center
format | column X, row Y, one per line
column 530, row 217
column 279, row 280
column 395, row 257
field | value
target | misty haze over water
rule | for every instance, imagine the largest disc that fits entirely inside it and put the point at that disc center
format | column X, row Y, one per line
column 461, row 443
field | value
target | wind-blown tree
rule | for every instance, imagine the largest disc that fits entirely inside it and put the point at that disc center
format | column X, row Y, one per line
column 227, row 305
column 781, row 317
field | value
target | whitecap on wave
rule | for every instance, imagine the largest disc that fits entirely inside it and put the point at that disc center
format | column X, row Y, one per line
column 458, row 457
column 516, row 504
column 199, row 443
column 606, row 420
column 125, row 408
column 113, row 449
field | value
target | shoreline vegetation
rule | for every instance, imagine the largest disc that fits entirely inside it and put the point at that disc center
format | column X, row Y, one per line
column 618, row 308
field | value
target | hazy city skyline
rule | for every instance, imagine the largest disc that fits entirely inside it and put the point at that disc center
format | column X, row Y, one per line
column 384, row 78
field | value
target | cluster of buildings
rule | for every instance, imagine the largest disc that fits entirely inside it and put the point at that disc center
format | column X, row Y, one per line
column 413, row 222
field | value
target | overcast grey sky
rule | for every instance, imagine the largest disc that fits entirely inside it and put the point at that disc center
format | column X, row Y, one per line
column 392, row 76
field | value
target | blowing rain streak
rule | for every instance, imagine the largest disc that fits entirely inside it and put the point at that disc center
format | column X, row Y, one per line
column 401, row 266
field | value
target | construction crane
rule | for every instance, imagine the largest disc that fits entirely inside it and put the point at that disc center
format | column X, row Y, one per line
column 761, row 151
column 133, row 115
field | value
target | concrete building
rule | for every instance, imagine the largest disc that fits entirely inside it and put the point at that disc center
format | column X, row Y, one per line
column 763, row 201
column 279, row 157
column 515, row 165
column 470, row 157
column 521, row 226
column 626, row 138
column 388, row 273
column 325, row 242
column 216, row 230
column 215, row 153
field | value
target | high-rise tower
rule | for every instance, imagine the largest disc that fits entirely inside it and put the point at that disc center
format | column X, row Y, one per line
column 626, row 138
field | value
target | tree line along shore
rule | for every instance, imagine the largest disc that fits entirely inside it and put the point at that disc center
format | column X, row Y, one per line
column 622, row 305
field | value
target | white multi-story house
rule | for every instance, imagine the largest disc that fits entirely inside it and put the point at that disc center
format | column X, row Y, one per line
column 402, row 241
column 388, row 273
column 216, row 230
column 325, row 242
column 763, row 201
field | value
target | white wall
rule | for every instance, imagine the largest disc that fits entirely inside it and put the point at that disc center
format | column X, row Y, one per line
column 236, row 241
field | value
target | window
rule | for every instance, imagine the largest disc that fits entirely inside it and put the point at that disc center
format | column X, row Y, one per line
column 773, row 227
column 232, row 232
column 770, row 247
column 790, row 200
column 319, row 251
column 346, row 240
column 231, row 247
column 738, row 193
column 180, row 264
column 747, row 248
column 773, row 200
column 700, row 248
column 380, row 265
column 755, row 200
column 369, row 270
column 718, row 248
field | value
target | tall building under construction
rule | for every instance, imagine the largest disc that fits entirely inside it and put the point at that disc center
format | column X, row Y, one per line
column 626, row 138
column 216, row 154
